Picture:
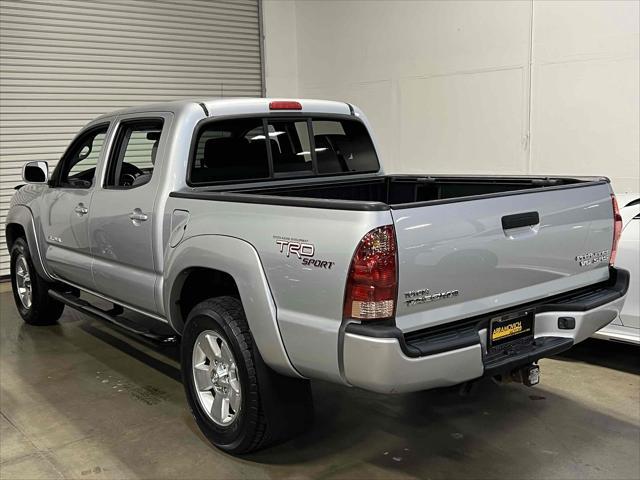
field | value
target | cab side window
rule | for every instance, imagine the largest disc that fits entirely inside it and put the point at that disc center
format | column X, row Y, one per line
column 77, row 169
column 134, row 154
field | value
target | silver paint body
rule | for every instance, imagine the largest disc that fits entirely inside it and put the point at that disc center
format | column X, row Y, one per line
column 462, row 246
column 295, row 311
column 388, row 370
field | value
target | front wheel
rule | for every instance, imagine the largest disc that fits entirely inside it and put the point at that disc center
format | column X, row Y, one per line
column 239, row 403
column 30, row 290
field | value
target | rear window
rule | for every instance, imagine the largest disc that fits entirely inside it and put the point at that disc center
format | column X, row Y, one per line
column 231, row 150
column 343, row 146
column 266, row 148
column 290, row 144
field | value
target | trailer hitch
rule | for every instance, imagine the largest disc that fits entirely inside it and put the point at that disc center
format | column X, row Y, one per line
column 528, row 375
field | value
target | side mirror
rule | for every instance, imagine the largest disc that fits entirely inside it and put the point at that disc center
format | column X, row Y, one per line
column 36, row 172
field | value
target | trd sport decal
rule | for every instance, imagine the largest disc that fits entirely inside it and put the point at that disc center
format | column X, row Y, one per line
column 302, row 250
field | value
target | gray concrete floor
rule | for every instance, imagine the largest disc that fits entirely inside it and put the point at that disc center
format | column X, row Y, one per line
column 81, row 400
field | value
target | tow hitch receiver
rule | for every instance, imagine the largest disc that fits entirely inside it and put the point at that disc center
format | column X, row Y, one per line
column 528, row 375
column 531, row 375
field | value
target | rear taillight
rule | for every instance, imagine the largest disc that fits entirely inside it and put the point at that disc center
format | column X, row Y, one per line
column 617, row 229
column 372, row 283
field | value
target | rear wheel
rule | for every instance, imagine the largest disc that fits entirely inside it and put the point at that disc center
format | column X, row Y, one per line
column 215, row 374
column 239, row 403
column 30, row 290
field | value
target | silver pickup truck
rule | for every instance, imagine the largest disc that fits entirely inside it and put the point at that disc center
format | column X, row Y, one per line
column 266, row 236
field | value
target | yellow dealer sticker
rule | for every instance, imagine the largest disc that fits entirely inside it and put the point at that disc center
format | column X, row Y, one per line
column 507, row 330
column 510, row 327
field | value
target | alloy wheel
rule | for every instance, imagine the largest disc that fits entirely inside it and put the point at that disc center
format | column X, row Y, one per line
column 23, row 282
column 215, row 376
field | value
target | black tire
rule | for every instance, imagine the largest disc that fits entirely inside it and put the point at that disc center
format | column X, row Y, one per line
column 43, row 310
column 273, row 407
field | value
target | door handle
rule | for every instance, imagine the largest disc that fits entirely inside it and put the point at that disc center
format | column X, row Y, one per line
column 138, row 216
column 526, row 219
column 81, row 210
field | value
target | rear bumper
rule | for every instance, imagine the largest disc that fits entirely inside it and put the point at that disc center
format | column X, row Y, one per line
column 383, row 359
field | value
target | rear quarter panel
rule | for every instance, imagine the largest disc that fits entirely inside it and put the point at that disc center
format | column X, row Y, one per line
column 308, row 298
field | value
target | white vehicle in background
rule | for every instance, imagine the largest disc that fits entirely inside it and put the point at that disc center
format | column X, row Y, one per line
column 626, row 326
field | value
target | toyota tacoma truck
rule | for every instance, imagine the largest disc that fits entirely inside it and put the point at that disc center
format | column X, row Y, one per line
column 265, row 236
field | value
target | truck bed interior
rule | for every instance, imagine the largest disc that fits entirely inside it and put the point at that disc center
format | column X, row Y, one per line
column 400, row 190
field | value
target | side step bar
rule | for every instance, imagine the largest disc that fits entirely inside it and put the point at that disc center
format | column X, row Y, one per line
column 85, row 307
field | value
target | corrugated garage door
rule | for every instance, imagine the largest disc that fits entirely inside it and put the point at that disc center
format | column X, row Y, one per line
column 64, row 62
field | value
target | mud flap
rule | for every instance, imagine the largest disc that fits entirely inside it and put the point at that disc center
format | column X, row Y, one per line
column 287, row 403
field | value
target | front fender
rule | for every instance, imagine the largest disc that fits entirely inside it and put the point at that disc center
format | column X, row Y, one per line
column 240, row 260
column 22, row 215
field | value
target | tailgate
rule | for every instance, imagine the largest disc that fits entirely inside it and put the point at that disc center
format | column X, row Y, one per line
column 470, row 257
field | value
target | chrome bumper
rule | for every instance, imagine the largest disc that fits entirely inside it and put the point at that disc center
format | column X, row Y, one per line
column 587, row 323
column 381, row 364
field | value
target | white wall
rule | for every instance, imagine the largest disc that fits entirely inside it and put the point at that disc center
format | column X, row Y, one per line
column 447, row 84
column 585, row 90
column 280, row 48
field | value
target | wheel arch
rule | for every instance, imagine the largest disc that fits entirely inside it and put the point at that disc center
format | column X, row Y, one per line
column 13, row 231
column 195, row 284
column 217, row 265
column 20, row 223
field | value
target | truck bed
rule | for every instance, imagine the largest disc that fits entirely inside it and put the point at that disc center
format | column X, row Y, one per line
column 482, row 243
column 400, row 191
